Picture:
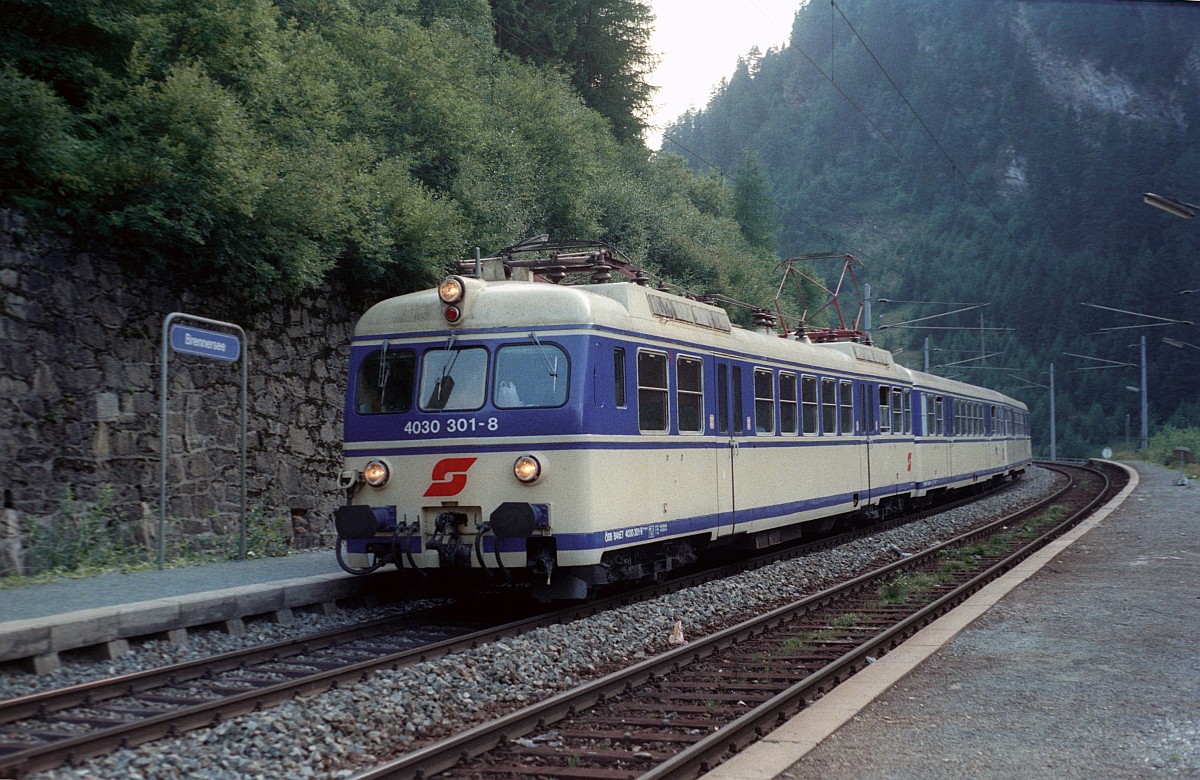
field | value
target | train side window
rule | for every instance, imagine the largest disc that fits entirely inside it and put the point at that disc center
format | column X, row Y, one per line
column 907, row 403
column 530, row 376
column 939, row 421
column 453, row 379
column 846, row 406
column 927, row 409
column 722, row 398
column 689, row 394
column 808, row 403
column 897, row 411
column 829, row 407
column 764, row 400
column 385, row 382
column 863, row 425
column 789, row 423
column 993, row 421
column 885, row 409
column 619, row 376
column 652, row 391
column 737, row 399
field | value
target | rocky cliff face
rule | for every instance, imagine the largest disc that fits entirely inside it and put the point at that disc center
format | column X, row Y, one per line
column 79, row 401
column 1079, row 85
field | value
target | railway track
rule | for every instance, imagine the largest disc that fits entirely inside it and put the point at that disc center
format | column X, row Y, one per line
column 66, row 726
column 46, row 730
column 678, row 714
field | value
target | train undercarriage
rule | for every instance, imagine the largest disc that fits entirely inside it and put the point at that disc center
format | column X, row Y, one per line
column 460, row 549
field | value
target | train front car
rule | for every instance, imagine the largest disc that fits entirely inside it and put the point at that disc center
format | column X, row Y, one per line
column 464, row 414
column 571, row 436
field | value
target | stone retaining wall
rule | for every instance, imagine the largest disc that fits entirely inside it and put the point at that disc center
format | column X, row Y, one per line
column 80, row 349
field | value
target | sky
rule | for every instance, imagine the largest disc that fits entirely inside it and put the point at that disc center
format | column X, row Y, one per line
column 699, row 43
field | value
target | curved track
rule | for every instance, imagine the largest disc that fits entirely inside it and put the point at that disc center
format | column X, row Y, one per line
column 46, row 730
column 678, row 714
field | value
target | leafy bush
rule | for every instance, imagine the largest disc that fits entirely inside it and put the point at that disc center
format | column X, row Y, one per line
column 85, row 538
column 265, row 146
column 1161, row 447
column 82, row 537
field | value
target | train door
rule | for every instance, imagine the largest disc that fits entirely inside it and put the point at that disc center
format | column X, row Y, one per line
column 728, row 424
column 864, row 426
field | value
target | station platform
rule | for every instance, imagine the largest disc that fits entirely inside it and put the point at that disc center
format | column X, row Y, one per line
column 1084, row 662
column 102, row 613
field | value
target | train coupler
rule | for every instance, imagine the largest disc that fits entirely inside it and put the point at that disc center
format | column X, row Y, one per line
column 453, row 551
column 541, row 555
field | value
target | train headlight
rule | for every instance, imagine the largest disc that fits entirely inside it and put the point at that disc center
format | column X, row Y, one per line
column 527, row 469
column 376, row 473
column 450, row 291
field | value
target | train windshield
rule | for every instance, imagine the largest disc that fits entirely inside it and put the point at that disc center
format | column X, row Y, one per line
column 453, row 379
column 530, row 375
column 385, row 382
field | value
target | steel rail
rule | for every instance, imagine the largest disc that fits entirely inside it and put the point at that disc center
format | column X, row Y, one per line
column 74, row 749
column 103, row 740
column 445, row 754
column 705, row 754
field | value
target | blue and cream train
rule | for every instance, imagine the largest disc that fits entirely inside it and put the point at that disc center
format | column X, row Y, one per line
column 571, row 436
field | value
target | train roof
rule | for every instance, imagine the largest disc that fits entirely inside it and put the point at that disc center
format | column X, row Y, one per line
column 631, row 307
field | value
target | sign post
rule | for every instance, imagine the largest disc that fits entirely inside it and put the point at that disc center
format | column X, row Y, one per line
column 216, row 345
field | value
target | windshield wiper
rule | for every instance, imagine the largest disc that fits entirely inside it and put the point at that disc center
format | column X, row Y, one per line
column 385, row 368
column 552, row 369
column 445, row 383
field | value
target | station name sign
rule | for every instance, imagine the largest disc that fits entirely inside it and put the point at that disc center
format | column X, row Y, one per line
column 205, row 343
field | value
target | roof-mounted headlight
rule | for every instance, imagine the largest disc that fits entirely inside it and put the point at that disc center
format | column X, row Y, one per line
column 450, row 291
column 376, row 473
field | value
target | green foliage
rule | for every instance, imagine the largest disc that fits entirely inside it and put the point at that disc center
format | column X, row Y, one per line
column 261, row 147
column 266, row 537
column 1161, row 446
column 81, row 538
column 38, row 148
column 906, row 586
column 752, row 206
column 603, row 45
column 85, row 538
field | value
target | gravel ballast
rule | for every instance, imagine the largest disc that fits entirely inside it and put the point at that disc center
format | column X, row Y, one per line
column 336, row 734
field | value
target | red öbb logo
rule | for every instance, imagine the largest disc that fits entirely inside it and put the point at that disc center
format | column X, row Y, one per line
column 449, row 477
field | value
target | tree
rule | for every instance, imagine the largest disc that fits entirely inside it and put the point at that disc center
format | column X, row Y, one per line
column 267, row 146
column 752, row 205
column 603, row 45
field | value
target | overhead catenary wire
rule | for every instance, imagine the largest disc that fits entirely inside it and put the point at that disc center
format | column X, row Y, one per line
column 828, row 76
column 953, row 165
